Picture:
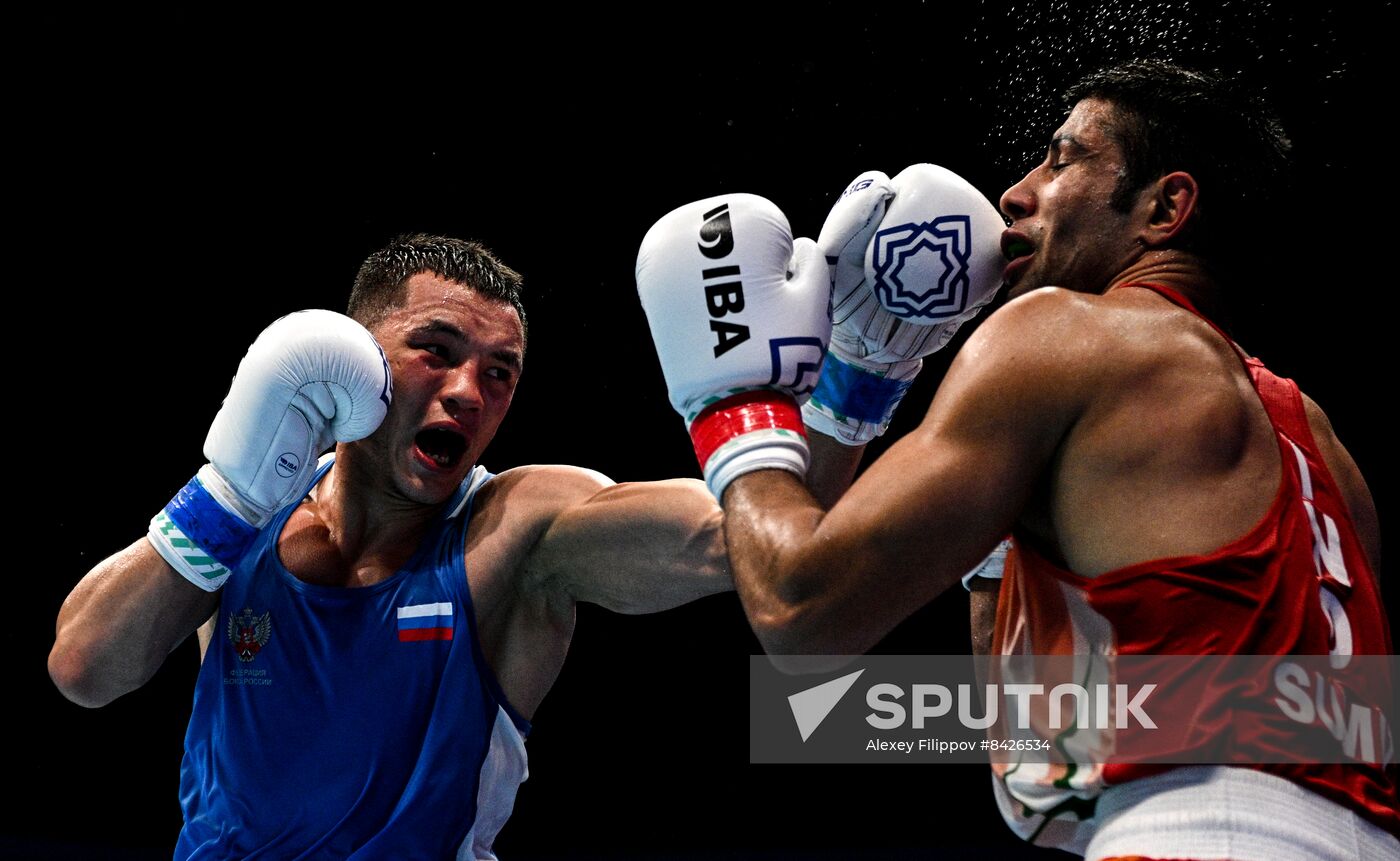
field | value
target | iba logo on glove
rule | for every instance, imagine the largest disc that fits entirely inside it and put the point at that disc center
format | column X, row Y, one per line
column 921, row 270
column 796, row 361
column 724, row 292
column 287, row 464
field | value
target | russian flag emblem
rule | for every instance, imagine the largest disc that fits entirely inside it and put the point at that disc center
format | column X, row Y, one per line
column 425, row 622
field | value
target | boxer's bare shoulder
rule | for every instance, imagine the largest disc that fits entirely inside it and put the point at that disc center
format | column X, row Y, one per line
column 1167, row 436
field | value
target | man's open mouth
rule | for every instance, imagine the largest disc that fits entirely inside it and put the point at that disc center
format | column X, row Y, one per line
column 1014, row 247
column 442, row 446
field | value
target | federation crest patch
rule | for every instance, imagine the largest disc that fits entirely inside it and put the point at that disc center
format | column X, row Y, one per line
column 249, row 633
column 921, row 270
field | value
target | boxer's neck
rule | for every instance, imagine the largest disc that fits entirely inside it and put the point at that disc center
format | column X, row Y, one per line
column 364, row 513
column 1178, row 270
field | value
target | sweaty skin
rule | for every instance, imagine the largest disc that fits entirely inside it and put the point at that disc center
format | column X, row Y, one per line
column 1105, row 422
column 541, row 538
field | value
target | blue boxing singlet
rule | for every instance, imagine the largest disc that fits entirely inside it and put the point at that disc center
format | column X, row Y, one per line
column 350, row 722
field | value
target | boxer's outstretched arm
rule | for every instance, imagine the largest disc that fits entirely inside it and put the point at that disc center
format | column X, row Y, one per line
column 120, row 622
column 633, row 548
column 819, row 582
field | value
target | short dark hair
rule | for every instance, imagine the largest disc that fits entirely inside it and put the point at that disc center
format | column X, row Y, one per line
column 1204, row 123
column 382, row 282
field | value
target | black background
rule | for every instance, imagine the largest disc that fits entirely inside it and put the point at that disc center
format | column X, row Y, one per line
column 182, row 181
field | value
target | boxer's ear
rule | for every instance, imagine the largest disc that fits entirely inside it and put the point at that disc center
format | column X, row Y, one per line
column 1170, row 205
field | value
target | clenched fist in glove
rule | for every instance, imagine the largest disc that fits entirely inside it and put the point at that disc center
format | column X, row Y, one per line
column 738, row 310
column 913, row 258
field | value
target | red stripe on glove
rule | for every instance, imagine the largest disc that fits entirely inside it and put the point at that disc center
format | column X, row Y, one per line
column 762, row 409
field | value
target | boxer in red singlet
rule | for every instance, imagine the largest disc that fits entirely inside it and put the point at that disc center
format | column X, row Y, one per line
column 1166, row 493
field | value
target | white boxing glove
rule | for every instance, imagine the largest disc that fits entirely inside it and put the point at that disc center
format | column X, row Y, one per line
column 913, row 258
column 310, row 379
column 738, row 311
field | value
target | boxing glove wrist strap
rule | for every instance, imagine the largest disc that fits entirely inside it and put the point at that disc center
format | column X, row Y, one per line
column 759, row 429
column 854, row 400
column 199, row 536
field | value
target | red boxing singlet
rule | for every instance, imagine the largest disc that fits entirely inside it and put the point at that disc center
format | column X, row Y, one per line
column 1283, row 588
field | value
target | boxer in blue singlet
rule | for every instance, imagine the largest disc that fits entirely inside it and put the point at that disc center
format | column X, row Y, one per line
column 376, row 631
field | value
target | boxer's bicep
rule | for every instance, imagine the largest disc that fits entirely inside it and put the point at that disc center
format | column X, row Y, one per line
column 919, row 518
column 120, row 622
column 638, row 547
